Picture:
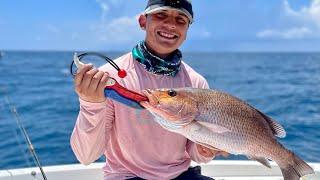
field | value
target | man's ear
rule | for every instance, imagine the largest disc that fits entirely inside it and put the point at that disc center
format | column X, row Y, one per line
column 142, row 21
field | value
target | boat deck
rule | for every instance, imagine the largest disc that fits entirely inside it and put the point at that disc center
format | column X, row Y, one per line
column 220, row 170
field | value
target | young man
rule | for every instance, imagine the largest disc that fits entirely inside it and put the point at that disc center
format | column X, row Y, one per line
column 135, row 146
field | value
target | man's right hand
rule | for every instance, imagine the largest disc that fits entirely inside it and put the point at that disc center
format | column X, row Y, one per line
column 90, row 83
column 207, row 152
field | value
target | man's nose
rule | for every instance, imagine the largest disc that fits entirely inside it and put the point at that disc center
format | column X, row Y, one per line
column 170, row 23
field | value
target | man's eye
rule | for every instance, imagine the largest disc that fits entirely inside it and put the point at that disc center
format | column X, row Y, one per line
column 181, row 21
column 161, row 15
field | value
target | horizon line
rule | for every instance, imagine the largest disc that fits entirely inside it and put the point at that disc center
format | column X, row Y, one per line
column 124, row 51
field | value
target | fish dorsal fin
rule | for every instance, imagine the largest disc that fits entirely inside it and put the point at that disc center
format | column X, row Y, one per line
column 214, row 127
column 261, row 160
column 277, row 129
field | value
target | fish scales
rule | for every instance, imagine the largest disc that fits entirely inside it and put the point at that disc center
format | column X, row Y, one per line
column 230, row 113
column 218, row 120
column 233, row 113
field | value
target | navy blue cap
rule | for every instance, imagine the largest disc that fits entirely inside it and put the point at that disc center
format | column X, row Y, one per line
column 183, row 6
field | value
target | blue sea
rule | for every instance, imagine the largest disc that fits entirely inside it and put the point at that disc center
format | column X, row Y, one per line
column 285, row 86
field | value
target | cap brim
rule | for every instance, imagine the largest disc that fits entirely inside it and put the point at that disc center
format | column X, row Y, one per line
column 155, row 9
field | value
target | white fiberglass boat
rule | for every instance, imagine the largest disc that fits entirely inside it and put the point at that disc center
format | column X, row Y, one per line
column 218, row 169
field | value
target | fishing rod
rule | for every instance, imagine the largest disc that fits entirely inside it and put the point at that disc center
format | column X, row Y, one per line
column 24, row 132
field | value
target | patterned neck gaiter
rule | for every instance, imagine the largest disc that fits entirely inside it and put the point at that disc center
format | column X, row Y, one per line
column 169, row 66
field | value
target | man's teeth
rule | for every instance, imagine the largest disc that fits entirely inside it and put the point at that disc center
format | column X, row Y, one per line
column 167, row 35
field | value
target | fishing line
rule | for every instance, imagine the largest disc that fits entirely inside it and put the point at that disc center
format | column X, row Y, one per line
column 20, row 146
column 24, row 132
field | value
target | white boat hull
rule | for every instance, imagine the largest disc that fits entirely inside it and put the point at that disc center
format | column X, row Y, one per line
column 220, row 170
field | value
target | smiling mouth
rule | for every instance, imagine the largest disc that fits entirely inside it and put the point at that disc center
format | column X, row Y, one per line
column 167, row 35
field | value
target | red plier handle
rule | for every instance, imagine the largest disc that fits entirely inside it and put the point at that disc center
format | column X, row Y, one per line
column 113, row 89
column 124, row 92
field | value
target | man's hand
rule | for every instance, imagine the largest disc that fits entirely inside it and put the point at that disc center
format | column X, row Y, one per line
column 207, row 152
column 90, row 83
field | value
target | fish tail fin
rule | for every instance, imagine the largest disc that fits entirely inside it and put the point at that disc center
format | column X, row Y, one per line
column 296, row 168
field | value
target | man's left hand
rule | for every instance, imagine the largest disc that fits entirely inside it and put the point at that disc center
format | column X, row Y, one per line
column 207, row 152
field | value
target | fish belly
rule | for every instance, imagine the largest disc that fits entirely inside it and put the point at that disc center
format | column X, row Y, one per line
column 231, row 142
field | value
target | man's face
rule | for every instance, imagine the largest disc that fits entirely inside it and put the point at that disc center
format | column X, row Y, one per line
column 165, row 30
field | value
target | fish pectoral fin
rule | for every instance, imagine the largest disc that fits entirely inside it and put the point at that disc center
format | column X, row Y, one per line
column 207, row 146
column 214, row 127
column 261, row 160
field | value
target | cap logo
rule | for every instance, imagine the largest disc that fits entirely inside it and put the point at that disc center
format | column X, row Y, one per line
column 173, row 3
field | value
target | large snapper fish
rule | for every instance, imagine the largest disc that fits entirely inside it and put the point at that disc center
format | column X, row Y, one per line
column 220, row 121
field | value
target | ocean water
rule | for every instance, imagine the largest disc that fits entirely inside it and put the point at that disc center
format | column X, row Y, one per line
column 285, row 86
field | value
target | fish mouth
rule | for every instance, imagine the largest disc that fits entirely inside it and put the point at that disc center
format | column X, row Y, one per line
column 155, row 107
column 154, row 103
column 153, row 100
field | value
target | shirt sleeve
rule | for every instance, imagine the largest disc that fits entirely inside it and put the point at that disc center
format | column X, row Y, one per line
column 203, row 84
column 92, row 130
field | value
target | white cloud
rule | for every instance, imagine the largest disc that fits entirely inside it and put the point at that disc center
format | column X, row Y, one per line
column 116, row 2
column 38, row 38
column 293, row 33
column 119, row 30
column 204, row 33
column 306, row 20
column 104, row 8
column 199, row 33
column 310, row 15
column 106, row 5
column 288, row 10
column 53, row 29
column 75, row 35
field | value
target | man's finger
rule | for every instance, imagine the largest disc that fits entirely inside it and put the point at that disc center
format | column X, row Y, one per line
column 87, row 77
column 214, row 149
column 95, row 81
column 224, row 154
column 103, row 82
column 79, row 76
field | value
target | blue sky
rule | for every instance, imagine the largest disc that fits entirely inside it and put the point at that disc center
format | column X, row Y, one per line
column 108, row 25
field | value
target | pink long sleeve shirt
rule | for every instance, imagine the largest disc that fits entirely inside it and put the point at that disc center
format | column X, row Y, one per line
column 133, row 143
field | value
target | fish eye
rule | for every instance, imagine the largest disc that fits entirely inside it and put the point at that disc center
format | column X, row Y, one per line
column 172, row 93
